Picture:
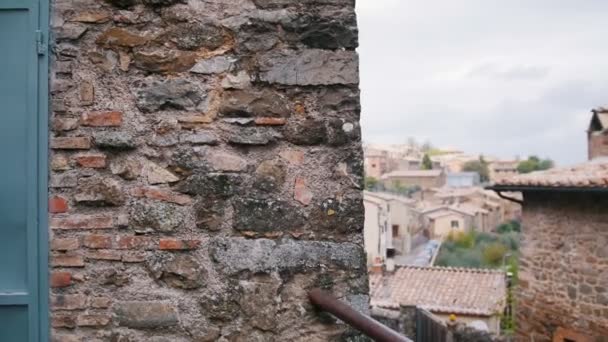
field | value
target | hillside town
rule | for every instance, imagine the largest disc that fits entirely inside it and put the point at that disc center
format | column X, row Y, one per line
column 500, row 251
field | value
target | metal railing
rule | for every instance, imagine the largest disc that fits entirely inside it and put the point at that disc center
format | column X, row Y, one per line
column 365, row 324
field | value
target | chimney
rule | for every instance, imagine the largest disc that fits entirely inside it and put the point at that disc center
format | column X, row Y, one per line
column 597, row 134
column 390, row 260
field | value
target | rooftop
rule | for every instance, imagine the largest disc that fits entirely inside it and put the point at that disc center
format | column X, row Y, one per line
column 590, row 175
column 441, row 289
column 413, row 173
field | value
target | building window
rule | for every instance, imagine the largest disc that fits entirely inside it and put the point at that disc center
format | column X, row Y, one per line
column 455, row 224
column 395, row 230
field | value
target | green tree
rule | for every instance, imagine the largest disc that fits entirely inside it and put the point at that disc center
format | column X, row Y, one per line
column 427, row 164
column 533, row 163
column 494, row 253
column 480, row 166
column 370, row 183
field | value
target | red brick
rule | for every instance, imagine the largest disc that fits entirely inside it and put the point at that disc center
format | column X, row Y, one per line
column 93, row 320
column 101, row 302
column 71, row 143
column 63, row 320
column 60, row 279
column 97, row 241
column 161, row 195
column 177, row 245
column 104, row 254
column 268, row 121
column 58, row 204
column 67, row 260
column 82, row 222
column 134, row 242
column 93, row 160
column 67, row 244
column 102, row 119
column 68, row 302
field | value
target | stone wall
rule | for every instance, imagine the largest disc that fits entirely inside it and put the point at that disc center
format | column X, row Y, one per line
column 598, row 144
column 563, row 277
column 206, row 169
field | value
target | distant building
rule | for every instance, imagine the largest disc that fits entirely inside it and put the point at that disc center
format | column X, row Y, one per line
column 422, row 178
column 463, row 179
column 499, row 169
column 376, row 236
column 473, row 295
column 597, row 134
column 443, row 220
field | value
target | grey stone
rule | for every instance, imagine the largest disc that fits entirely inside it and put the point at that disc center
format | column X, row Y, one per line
column 122, row 3
column 241, row 80
column 199, row 138
column 218, row 160
column 270, row 175
column 145, row 315
column 239, row 121
column 213, row 65
column 284, row 3
column 252, row 136
column 118, row 140
column 157, row 174
column 70, row 31
column 161, row 3
column 193, row 36
column 128, row 168
column 260, row 301
column 211, row 185
column 308, row 132
column 251, row 103
column 172, row 93
column 235, row 255
column 64, row 180
column 100, row 192
column 180, row 271
column 309, row 67
column 257, row 36
column 332, row 30
column 165, row 140
column 223, row 306
column 209, row 214
column 341, row 132
column 266, row 215
column 158, row 216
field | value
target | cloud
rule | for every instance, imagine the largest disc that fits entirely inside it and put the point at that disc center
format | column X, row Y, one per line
column 504, row 78
column 510, row 73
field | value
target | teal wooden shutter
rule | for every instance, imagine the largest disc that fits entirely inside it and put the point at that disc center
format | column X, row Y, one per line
column 23, row 174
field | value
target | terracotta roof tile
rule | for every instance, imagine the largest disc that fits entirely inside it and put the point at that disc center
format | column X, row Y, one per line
column 441, row 289
column 592, row 174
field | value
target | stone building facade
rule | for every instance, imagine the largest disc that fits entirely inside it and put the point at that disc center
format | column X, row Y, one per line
column 562, row 293
column 564, row 266
column 206, row 169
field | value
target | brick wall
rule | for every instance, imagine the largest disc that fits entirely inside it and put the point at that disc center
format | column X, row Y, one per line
column 564, row 265
column 206, row 169
column 598, row 145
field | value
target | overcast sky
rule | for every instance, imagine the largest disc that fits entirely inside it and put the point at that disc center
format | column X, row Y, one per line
column 499, row 77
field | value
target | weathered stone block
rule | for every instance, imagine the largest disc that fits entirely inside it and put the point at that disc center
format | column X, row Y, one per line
column 246, row 103
column 158, row 216
column 265, row 216
column 214, row 65
column 252, row 136
column 199, row 138
column 217, row 160
column 211, row 185
column 118, row 37
column 193, row 36
column 177, row 93
column 164, row 61
column 309, row 67
column 117, row 140
column 335, row 30
column 100, row 191
column 146, row 315
column 308, row 132
column 234, row 255
column 178, row 270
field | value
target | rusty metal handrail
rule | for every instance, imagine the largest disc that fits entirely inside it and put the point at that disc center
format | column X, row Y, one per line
column 365, row 324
